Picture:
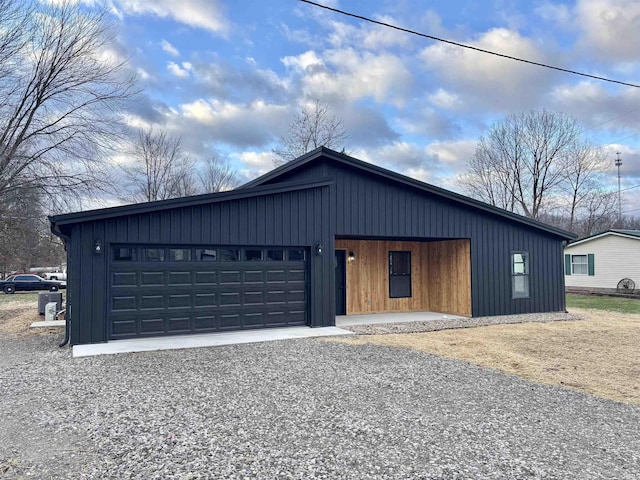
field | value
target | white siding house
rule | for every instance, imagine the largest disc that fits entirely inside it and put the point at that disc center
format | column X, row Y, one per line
column 602, row 261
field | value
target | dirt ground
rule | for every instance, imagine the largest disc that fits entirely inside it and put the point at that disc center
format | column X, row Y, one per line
column 18, row 312
column 598, row 355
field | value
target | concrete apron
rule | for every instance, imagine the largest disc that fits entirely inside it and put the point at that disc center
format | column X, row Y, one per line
column 204, row 340
column 252, row 336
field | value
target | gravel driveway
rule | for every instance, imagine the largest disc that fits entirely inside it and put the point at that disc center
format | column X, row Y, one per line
column 296, row 409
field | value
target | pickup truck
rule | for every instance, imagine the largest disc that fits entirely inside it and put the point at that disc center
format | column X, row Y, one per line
column 55, row 276
column 27, row 282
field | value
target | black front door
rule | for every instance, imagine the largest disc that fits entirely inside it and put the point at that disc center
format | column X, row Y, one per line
column 341, row 282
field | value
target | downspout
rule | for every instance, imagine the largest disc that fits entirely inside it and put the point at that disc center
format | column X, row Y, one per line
column 67, row 314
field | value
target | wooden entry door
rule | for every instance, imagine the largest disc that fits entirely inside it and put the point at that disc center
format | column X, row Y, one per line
column 341, row 282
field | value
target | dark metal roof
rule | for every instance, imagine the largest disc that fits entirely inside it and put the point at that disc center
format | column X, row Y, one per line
column 323, row 152
column 632, row 233
column 146, row 207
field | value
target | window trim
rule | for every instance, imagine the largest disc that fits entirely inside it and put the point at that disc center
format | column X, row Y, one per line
column 585, row 263
column 526, row 275
column 392, row 275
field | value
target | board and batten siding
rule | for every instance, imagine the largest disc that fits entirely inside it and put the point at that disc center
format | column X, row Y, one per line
column 615, row 257
column 296, row 218
column 366, row 205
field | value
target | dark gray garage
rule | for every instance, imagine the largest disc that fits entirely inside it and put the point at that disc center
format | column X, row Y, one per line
column 268, row 255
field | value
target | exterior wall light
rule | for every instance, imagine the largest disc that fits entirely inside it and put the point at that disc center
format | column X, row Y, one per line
column 351, row 257
column 318, row 248
column 97, row 247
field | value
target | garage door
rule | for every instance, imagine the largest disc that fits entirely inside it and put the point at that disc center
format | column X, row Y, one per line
column 161, row 290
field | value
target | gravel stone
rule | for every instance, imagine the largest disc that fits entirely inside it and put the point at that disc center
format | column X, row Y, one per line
column 297, row 409
column 458, row 322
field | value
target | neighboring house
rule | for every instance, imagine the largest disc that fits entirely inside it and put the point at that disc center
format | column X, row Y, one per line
column 601, row 262
column 321, row 236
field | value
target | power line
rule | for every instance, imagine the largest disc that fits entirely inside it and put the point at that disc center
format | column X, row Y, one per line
column 462, row 45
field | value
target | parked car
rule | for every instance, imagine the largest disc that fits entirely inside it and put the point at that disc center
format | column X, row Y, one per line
column 28, row 282
column 55, row 276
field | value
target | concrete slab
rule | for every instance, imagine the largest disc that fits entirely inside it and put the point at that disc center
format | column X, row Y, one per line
column 403, row 317
column 204, row 340
column 44, row 323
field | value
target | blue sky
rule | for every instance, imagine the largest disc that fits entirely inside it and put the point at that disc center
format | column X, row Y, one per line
column 228, row 76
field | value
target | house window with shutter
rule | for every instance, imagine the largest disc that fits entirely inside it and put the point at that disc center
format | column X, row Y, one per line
column 583, row 264
column 579, row 265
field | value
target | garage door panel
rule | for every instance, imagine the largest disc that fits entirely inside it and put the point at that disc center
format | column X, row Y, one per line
column 153, row 326
column 124, row 279
column 179, row 325
column 152, row 302
column 230, row 321
column 254, row 276
column 206, row 278
column 124, row 303
column 230, row 277
column 179, row 278
column 205, row 322
column 163, row 298
column 206, row 300
column 151, row 278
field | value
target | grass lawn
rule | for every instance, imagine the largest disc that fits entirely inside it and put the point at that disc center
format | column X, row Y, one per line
column 597, row 355
column 614, row 304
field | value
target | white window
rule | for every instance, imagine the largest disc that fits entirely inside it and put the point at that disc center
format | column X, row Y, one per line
column 520, row 275
column 579, row 265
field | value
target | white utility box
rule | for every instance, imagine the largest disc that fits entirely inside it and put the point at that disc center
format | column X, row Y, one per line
column 50, row 311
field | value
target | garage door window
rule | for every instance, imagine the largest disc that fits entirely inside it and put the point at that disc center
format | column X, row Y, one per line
column 179, row 255
column 275, row 255
column 121, row 254
column 296, row 254
column 229, row 254
column 206, row 255
column 253, row 255
column 153, row 254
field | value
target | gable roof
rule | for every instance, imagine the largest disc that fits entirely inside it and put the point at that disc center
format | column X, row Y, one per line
column 341, row 158
column 634, row 234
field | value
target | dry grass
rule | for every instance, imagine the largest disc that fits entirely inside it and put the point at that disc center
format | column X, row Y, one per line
column 18, row 313
column 598, row 355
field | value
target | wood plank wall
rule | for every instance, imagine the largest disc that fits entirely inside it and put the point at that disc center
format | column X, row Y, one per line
column 440, row 276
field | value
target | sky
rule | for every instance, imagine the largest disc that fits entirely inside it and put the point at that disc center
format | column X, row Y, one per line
column 228, row 76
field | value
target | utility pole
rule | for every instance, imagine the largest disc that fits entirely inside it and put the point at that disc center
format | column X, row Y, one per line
column 618, row 163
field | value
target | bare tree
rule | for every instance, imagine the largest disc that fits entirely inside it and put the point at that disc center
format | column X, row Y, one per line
column 581, row 187
column 158, row 170
column 526, row 162
column 217, row 176
column 61, row 92
column 311, row 128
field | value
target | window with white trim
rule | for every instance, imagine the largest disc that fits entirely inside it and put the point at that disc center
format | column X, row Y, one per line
column 579, row 265
column 520, row 275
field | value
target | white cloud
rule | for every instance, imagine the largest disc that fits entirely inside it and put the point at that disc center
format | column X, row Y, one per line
column 353, row 75
column 179, row 71
column 488, row 78
column 205, row 14
column 558, row 14
column 445, row 99
column 610, row 28
column 170, row 49
column 255, row 164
